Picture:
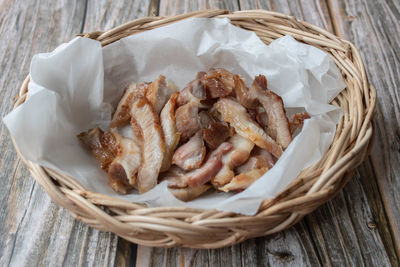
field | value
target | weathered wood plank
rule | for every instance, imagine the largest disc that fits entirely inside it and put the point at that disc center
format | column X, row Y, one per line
column 315, row 12
column 175, row 7
column 104, row 15
column 33, row 230
column 342, row 232
column 292, row 247
column 373, row 27
column 379, row 220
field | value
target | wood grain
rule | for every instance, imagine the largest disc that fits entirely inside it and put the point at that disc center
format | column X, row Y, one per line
column 103, row 15
column 175, row 7
column 315, row 12
column 33, row 230
column 373, row 26
column 289, row 248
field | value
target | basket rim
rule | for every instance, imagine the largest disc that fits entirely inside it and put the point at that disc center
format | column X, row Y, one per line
column 73, row 196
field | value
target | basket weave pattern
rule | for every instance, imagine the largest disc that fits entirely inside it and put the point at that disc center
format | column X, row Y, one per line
column 179, row 226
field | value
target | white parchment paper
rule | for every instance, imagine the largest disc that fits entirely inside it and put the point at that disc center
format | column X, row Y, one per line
column 74, row 88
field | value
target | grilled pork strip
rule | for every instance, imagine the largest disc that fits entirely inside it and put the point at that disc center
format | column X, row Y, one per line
column 153, row 146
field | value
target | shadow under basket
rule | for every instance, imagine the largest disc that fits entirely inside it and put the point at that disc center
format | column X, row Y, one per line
column 196, row 228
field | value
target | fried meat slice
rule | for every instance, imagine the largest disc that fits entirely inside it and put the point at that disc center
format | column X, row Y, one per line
column 171, row 134
column 278, row 125
column 215, row 134
column 194, row 91
column 259, row 158
column 260, row 116
column 153, row 146
column 236, row 157
column 237, row 116
column 175, row 176
column 187, row 121
column 210, row 168
column 254, row 162
column 297, row 120
column 189, row 193
column 243, row 94
column 118, row 180
column 122, row 113
column 243, row 180
column 218, row 82
column 190, row 155
column 257, row 151
column 120, row 157
column 101, row 145
column 159, row 92
column 123, row 169
column 178, row 178
column 206, row 118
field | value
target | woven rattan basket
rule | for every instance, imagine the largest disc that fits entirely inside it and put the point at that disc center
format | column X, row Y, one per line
column 178, row 226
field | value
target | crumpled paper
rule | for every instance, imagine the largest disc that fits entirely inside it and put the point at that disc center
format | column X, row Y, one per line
column 73, row 89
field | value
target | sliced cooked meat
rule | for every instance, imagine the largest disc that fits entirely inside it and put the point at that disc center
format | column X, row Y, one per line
column 215, row 134
column 118, row 180
column 215, row 113
column 189, row 193
column 205, row 119
column 257, row 151
column 120, row 157
column 243, row 94
column 122, row 113
column 175, row 176
column 243, row 180
column 101, row 145
column 236, row 157
column 158, row 93
column 178, row 178
column 254, row 162
column 137, row 132
column 190, row 155
column 215, row 88
column 193, row 92
column 218, row 83
column 260, row 116
column 234, row 113
column 204, row 115
column 210, row 168
column 153, row 147
column 127, row 160
column 262, row 119
column 278, row 125
column 200, row 75
column 187, row 121
column 171, row 135
column 297, row 120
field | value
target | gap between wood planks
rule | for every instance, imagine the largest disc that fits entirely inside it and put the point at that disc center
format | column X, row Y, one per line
column 84, row 16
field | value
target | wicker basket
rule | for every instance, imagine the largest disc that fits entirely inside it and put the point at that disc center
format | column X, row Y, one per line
column 179, row 226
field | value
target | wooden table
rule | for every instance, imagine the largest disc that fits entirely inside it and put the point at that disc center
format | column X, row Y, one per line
column 360, row 226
